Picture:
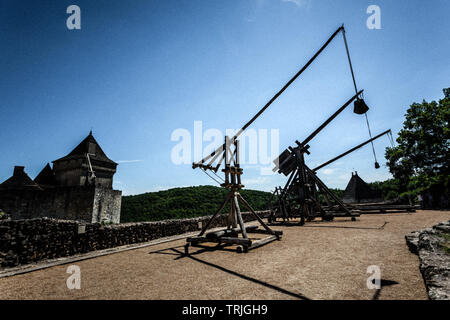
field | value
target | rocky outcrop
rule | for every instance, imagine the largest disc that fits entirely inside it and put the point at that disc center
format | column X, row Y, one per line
column 31, row 240
column 433, row 248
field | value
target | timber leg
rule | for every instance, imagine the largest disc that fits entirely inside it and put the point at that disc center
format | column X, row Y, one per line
column 215, row 214
column 239, row 217
column 255, row 214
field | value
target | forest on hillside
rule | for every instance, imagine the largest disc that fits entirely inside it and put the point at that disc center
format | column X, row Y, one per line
column 180, row 203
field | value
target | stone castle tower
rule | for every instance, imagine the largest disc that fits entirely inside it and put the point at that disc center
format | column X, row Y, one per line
column 78, row 187
column 87, row 164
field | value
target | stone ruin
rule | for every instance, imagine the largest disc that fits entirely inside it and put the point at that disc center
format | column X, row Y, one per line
column 78, row 187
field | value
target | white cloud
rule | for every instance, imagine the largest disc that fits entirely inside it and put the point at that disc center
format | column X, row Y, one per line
column 328, row 171
column 299, row 3
column 256, row 181
column 129, row 161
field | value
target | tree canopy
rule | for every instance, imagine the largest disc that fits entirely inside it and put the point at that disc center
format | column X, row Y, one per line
column 420, row 161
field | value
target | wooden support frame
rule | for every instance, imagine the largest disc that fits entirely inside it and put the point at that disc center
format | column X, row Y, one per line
column 305, row 182
column 244, row 242
column 235, row 222
column 308, row 187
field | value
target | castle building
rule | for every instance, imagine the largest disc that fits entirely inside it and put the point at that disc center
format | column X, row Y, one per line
column 78, row 187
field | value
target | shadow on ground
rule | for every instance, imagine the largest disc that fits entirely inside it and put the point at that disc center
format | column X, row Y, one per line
column 346, row 227
column 384, row 283
column 179, row 255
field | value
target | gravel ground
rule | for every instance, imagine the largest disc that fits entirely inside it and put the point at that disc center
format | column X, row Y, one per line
column 317, row 261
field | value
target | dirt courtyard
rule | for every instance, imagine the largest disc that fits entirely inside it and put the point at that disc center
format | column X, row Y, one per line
column 317, row 261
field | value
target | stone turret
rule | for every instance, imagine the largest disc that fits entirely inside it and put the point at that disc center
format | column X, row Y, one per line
column 46, row 178
column 76, row 168
column 19, row 181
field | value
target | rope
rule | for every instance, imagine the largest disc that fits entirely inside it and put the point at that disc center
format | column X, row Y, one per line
column 391, row 139
column 218, row 176
column 370, row 134
column 356, row 90
column 210, row 176
column 349, row 60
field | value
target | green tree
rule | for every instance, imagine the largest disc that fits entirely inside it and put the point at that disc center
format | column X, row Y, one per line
column 185, row 202
column 421, row 159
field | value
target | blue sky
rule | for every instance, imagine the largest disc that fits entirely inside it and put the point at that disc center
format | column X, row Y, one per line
column 137, row 70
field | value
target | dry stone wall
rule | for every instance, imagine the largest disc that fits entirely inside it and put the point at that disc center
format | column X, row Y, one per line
column 32, row 240
column 433, row 248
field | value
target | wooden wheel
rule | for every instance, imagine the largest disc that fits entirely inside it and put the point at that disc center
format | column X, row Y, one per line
column 242, row 249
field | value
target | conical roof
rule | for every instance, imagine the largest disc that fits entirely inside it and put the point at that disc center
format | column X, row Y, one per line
column 19, row 181
column 46, row 176
column 88, row 145
column 357, row 189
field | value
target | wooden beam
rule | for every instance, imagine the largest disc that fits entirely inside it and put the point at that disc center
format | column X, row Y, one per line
column 259, row 243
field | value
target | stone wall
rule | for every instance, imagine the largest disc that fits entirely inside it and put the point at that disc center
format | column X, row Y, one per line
column 433, row 248
column 32, row 240
column 88, row 204
column 106, row 206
